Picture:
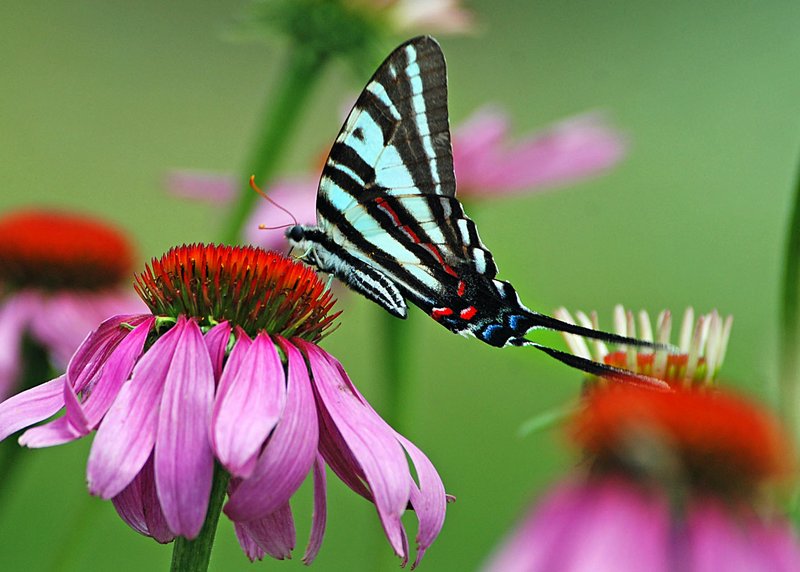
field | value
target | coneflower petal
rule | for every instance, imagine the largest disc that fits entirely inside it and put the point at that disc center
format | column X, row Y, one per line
column 84, row 368
column 372, row 445
column 116, row 371
column 274, row 533
column 139, row 507
column 285, row 462
column 320, row 515
column 428, row 499
column 31, row 406
column 217, row 341
column 184, row 461
column 56, row 432
column 248, row 406
column 127, row 434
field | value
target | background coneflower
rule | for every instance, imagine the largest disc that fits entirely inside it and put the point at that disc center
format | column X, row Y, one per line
column 670, row 481
column 60, row 276
column 225, row 370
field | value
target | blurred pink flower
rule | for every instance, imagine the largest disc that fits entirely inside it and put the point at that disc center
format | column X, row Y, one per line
column 608, row 525
column 60, row 276
column 226, row 368
column 488, row 164
column 672, row 483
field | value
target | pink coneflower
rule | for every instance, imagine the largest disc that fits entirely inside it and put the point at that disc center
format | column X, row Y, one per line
column 226, row 368
column 60, row 276
column 671, row 483
column 486, row 163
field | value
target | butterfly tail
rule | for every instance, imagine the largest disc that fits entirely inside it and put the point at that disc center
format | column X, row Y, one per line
column 537, row 320
column 595, row 368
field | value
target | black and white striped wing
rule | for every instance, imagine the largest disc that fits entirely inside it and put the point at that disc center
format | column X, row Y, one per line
column 387, row 193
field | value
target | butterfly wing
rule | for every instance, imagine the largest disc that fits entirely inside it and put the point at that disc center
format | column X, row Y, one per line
column 387, row 193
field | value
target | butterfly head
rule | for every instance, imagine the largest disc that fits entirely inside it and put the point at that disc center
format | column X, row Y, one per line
column 295, row 235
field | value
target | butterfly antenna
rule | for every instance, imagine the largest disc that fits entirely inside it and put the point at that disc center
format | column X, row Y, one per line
column 264, row 195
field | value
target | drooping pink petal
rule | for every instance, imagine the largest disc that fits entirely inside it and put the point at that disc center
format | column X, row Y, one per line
column 217, row 341
column 184, row 462
column 377, row 452
column 127, row 433
column 578, row 147
column 320, row 516
column 31, row 406
column 428, row 499
column 286, row 460
column 130, row 506
column 139, row 507
column 153, row 514
column 339, row 457
column 56, row 432
column 252, row 550
column 15, row 315
column 274, row 533
column 117, row 370
column 248, row 406
column 84, row 368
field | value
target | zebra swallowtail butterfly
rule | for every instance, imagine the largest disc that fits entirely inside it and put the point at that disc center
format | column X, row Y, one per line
column 390, row 227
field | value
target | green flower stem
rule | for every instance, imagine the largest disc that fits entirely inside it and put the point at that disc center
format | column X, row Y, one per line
column 194, row 555
column 35, row 370
column 396, row 361
column 281, row 115
column 789, row 382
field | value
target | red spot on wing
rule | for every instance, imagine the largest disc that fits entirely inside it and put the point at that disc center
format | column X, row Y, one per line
column 468, row 313
column 437, row 313
column 461, row 287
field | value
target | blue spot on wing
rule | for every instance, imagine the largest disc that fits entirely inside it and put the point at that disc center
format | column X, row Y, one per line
column 513, row 321
column 487, row 332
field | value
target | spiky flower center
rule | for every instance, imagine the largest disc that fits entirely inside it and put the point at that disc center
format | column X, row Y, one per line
column 708, row 441
column 249, row 287
column 57, row 251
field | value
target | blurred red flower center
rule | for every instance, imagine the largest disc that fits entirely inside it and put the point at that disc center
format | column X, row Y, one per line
column 54, row 251
column 250, row 287
column 714, row 441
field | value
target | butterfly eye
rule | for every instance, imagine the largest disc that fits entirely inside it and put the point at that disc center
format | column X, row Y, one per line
column 295, row 234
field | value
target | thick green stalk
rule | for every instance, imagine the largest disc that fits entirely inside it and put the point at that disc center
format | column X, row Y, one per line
column 789, row 382
column 194, row 555
column 279, row 119
column 396, row 360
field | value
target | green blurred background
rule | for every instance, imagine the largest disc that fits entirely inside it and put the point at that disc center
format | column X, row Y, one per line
column 99, row 100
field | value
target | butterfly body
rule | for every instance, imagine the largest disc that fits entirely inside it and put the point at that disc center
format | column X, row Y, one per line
column 388, row 221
